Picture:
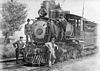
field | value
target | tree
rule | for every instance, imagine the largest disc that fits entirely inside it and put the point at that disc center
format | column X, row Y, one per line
column 13, row 14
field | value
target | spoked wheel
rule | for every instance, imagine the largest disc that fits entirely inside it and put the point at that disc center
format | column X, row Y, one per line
column 74, row 54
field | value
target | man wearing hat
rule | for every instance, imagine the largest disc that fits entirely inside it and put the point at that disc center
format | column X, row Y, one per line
column 51, row 46
column 63, row 22
column 28, row 31
column 19, row 45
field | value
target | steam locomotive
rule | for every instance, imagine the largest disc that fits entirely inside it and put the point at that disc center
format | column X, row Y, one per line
column 43, row 29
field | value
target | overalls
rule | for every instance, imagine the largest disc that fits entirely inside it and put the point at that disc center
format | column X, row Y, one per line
column 28, row 32
column 51, row 47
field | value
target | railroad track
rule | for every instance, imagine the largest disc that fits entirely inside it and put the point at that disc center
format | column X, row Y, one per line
column 10, row 63
column 12, row 66
column 87, row 53
column 9, row 59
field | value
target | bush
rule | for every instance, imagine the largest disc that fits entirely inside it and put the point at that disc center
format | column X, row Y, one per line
column 6, row 51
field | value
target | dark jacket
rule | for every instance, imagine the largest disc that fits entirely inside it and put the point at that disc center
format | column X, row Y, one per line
column 18, row 44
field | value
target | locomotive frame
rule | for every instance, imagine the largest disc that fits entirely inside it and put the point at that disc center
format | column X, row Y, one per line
column 71, row 44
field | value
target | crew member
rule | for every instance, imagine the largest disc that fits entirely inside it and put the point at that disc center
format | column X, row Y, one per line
column 62, row 22
column 51, row 46
column 28, row 31
column 19, row 45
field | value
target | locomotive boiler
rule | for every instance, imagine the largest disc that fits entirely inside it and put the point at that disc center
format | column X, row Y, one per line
column 43, row 30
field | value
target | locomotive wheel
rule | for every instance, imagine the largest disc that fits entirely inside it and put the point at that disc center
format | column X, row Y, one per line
column 74, row 54
column 67, row 56
column 63, row 57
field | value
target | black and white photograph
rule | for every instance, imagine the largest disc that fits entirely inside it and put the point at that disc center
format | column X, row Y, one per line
column 49, row 35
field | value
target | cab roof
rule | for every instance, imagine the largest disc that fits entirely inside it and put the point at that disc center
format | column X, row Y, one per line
column 73, row 16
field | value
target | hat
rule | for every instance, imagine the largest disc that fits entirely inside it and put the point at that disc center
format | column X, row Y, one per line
column 53, row 37
column 21, row 37
column 28, row 20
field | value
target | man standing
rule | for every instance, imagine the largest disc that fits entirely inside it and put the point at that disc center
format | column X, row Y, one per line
column 19, row 45
column 63, row 22
column 28, row 31
column 51, row 46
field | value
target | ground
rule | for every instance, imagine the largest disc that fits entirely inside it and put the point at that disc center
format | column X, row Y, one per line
column 90, row 63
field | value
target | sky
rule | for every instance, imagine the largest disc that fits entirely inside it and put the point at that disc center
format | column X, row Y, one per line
column 91, row 8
